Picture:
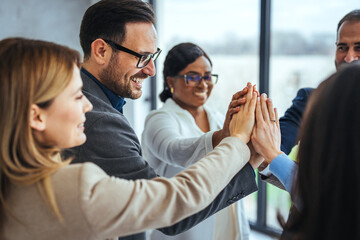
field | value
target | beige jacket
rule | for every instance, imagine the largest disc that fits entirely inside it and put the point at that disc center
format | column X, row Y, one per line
column 89, row 199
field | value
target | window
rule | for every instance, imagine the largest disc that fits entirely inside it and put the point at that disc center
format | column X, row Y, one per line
column 302, row 55
column 303, row 35
column 228, row 32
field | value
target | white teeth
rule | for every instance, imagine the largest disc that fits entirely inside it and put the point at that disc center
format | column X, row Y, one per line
column 200, row 93
column 138, row 80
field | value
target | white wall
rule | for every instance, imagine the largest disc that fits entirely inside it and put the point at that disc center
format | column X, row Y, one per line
column 52, row 20
column 58, row 21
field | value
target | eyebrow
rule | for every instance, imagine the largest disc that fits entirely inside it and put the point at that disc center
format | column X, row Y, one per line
column 193, row 72
column 142, row 53
column 345, row 44
column 341, row 44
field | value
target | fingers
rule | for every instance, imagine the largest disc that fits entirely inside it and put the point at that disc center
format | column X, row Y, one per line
column 258, row 113
column 277, row 118
column 231, row 111
column 252, row 104
column 240, row 94
column 249, row 94
column 271, row 110
column 264, row 109
column 237, row 102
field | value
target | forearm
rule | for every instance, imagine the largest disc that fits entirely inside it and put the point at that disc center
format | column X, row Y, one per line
column 242, row 184
column 168, row 144
column 283, row 168
column 217, row 137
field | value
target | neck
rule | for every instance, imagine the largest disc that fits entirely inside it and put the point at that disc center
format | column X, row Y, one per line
column 194, row 111
column 199, row 115
column 91, row 68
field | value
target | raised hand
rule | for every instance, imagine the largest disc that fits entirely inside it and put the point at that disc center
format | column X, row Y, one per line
column 266, row 137
column 237, row 100
column 242, row 123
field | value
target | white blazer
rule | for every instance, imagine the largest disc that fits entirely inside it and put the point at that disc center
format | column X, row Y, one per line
column 171, row 142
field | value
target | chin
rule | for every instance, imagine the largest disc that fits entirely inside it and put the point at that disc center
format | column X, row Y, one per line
column 136, row 95
column 80, row 141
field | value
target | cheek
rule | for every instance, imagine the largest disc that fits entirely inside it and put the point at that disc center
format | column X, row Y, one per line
column 210, row 88
column 72, row 118
column 339, row 56
column 186, row 93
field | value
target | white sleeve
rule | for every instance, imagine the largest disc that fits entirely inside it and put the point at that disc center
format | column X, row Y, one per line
column 162, row 138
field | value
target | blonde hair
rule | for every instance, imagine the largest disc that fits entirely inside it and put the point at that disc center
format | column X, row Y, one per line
column 31, row 72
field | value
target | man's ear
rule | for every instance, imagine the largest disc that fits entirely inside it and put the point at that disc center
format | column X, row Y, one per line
column 101, row 51
column 37, row 118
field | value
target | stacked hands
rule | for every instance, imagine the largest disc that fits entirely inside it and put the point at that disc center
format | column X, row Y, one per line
column 254, row 120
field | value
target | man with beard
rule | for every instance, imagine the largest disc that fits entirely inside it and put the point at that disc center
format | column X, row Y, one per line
column 118, row 39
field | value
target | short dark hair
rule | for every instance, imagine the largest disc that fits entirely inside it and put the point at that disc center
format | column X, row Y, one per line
column 176, row 60
column 328, row 183
column 354, row 15
column 107, row 19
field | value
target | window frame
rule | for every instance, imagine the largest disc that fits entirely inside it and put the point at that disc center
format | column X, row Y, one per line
column 264, row 69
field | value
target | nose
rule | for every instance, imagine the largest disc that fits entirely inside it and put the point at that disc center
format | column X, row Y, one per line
column 87, row 106
column 202, row 83
column 351, row 56
column 150, row 69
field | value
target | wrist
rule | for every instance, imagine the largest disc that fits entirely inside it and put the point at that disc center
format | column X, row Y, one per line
column 243, row 137
column 271, row 155
column 217, row 137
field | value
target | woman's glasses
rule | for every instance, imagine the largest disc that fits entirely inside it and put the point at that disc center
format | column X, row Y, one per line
column 195, row 79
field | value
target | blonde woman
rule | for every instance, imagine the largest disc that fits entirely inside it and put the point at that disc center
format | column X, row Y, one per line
column 42, row 110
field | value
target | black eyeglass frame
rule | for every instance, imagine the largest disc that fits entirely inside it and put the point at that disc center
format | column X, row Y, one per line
column 153, row 56
column 201, row 79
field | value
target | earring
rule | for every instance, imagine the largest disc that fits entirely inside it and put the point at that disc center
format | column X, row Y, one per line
column 172, row 90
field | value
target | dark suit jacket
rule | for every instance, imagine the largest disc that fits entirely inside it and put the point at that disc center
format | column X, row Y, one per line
column 290, row 122
column 289, row 127
column 113, row 145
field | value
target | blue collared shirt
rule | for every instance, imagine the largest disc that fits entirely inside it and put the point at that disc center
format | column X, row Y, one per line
column 285, row 170
column 116, row 101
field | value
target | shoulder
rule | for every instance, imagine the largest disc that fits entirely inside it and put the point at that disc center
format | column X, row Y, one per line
column 75, row 179
column 79, row 171
column 304, row 93
column 79, row 177
column 169, row 110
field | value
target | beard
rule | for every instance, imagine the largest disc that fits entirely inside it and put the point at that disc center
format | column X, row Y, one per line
column 114, row 80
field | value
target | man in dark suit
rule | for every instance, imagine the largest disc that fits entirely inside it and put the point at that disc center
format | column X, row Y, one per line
column 347, row 51
column 119, row 43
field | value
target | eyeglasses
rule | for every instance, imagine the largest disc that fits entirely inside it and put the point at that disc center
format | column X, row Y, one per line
column 144, row 59
column 195, row 79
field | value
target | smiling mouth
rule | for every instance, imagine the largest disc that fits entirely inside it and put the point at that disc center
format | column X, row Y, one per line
column 202, row 94
column 81, row 125
column 138, row 80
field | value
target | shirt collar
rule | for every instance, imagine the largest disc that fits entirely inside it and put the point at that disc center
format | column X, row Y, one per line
column 116, row 101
